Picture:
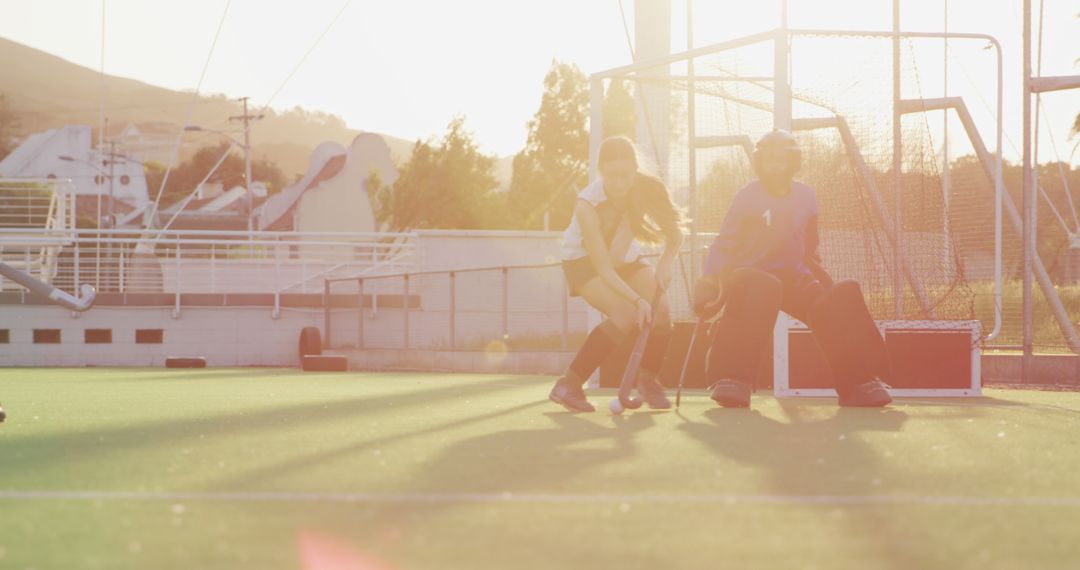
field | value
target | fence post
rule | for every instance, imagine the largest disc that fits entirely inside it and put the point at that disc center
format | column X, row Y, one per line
column 176, row 280
column 505, row 302
column 360, row 324
column 405, row 307
column 75, row 278
column 326, row 312
column 97, row 261
column 277, row 284
column 213, row 268
column 120, row 285
column 453, row 310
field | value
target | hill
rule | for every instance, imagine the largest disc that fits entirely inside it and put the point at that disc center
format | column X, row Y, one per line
column 45, row 91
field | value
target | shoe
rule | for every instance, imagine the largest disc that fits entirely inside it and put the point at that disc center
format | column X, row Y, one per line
column 569, row 394
column 871, row 394
column 731, row 393
column 3, row 416
column 653, row 393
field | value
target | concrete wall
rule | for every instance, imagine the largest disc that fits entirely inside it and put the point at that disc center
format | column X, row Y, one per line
column 231, row 336
column 466, row 249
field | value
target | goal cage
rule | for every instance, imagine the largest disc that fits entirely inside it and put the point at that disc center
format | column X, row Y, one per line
column 910, row 212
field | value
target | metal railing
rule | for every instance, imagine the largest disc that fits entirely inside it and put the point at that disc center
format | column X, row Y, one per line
column 501, row 308
column 182, row 262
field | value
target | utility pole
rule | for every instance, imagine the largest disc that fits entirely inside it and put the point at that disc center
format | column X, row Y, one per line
column 112, row 178
column 247, row 119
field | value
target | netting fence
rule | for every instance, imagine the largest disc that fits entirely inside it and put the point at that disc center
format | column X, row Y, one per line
column 909, row 210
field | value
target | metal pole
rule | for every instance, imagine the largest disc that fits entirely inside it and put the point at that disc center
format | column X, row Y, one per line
column 326, row 312
column 246, row 118
column 213, row 270
column 898, row 230
column 360, row 312
column 781, row 87
column 120, row 284
column 691, row 137
column 945, row 182
column 405, row 308
column 97, row 253
column 453, row 310
column 596, row 124
column 247, row 167
column 75, row 281
column 176, row 307
column 277, row 279
column 1029, row 198
column 505, row 303
column 112, row 182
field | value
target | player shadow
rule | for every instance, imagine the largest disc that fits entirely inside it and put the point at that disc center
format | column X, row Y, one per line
column 984, row 402
column 250, row 479
column 808, row 456
column 504, row 469
column 506, row 461
column 42, row 451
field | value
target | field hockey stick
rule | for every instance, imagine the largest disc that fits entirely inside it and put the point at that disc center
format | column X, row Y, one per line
column 624, row 401
column 62, row 298
column 709, row 312
column 686, row 360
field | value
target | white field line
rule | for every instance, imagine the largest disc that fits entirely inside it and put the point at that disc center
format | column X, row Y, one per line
column 442, row 498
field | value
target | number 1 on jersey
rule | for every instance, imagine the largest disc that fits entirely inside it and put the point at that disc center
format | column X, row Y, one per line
column 767, row 214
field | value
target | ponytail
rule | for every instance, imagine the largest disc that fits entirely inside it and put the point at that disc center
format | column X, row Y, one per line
column 652, row 215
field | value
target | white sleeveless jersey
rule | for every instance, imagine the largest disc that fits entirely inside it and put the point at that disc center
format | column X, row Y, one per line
column 622, row 246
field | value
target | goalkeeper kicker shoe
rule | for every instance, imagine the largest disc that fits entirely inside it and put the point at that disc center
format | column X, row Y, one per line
column 871, row 394
column 731, row 393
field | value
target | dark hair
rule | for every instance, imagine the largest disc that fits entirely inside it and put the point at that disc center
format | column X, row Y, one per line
column 652, row 214
column 617, row 148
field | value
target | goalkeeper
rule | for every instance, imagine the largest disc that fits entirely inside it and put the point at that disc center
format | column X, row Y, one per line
column 765, row 260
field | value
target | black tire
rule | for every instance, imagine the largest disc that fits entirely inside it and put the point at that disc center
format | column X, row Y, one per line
column 185, row 362
column 324, row 363
column 310, row 342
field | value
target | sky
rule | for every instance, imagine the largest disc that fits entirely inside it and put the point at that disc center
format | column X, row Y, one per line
column 407, row 67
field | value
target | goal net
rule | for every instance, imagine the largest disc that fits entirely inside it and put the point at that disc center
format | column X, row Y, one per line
column 925, row 252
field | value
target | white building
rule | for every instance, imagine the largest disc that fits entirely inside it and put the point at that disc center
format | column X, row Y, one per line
column 68, row 153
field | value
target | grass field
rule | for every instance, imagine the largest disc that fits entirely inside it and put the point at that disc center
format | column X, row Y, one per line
column 250, row 468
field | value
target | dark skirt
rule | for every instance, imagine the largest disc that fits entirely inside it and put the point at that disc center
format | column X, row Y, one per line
column 581, row 270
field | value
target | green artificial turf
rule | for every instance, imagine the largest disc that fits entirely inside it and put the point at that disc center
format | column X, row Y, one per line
column 251, row 468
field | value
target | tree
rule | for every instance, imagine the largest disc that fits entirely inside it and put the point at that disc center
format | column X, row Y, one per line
column 184, row 178
column 619, row 117
column 554, row 165
column 445, row 185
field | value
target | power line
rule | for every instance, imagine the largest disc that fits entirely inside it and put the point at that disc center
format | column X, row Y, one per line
column 233, row 143
column 187, row 114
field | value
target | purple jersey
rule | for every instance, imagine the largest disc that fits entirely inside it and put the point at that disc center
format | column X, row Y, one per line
column 766, row 232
